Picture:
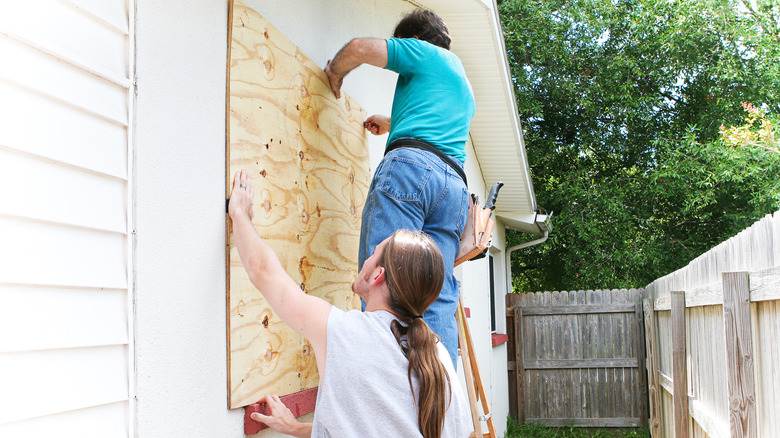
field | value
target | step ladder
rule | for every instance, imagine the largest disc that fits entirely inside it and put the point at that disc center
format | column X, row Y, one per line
column 474, row 387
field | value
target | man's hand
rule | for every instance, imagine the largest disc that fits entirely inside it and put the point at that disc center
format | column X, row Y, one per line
column 334, row 79
column 356, row 52
column 281, row 419
column 377, row 125
column 241, row 196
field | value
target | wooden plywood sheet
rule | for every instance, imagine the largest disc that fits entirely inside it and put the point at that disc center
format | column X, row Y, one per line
column 307, row 156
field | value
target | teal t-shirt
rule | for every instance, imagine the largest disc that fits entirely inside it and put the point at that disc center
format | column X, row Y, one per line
column 433, row 99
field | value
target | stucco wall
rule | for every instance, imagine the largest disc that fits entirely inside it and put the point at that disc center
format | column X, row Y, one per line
column 180, row 263
column 179, row 143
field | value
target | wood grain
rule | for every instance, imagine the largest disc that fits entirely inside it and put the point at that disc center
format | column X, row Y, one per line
column 765, row 284
column 642, row 400
column 307, row 158
column 755, row 249
column 554, row 364
column 707, row 421
column 573, row 310
column 739, row 354
column 666, row 383
column 471, row 390
column 587, row 422
column 679, row 365
column 519, row 368
column 577, row 357
column 477, row 377
column 652, row 366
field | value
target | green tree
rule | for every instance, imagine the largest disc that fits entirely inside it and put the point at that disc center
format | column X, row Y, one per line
column 624, row 105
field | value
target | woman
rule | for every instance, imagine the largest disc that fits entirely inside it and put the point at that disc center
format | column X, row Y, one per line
column 383, row 371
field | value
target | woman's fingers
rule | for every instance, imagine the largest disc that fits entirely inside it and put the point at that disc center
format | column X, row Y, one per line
column 277, row 402
column 260, row 417
column 236, row 177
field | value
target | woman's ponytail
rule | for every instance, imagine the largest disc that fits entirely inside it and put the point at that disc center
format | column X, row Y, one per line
column 432, row 378
column 414, row 272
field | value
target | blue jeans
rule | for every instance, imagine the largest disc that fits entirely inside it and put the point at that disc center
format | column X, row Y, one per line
column 414, row 189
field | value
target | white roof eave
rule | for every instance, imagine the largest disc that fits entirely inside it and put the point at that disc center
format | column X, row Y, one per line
column 533, row 223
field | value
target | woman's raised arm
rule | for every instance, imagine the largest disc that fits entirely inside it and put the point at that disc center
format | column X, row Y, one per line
column 306, row 314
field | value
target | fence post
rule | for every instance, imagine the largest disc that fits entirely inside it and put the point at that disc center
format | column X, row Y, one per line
column 739, row 354
column 519, row 366
column 641, row 357
column 651, row 344
column 679, row 366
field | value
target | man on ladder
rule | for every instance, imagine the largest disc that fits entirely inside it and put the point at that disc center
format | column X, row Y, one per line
column 420, row 184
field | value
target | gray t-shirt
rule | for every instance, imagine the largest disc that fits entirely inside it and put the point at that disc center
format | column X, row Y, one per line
column 365, row 391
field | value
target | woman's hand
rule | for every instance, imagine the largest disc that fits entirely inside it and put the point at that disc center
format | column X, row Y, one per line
column 377, row 125
column 281, row 419
column 241, row 196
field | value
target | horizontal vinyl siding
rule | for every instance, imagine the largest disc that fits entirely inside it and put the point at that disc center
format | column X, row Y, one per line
column 105, row 421
column 93, row 317
column 52, row 381
column 42, row 73
column 53, row 130
column 67, row 194
column 43, row 253
column 64, row 82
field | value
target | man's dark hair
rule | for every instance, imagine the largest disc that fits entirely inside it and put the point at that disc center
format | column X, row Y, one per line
column 424, row 25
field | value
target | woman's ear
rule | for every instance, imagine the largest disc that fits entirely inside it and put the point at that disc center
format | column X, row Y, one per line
column 378, row 276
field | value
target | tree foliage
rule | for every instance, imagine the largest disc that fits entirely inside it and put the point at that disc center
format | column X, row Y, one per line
column 639, row 131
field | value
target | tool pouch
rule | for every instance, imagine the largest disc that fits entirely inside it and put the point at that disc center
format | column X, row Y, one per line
column 477, row 233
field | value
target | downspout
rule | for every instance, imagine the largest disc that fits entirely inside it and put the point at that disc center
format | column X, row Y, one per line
column 517, row 248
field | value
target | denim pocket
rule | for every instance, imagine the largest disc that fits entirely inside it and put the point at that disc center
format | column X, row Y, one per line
column 464, row 211
column 405, row 178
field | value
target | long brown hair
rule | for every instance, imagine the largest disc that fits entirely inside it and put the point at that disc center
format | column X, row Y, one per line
column 414, row 273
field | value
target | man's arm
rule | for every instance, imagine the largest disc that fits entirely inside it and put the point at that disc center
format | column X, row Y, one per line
column 304, row 313
column 356, row 52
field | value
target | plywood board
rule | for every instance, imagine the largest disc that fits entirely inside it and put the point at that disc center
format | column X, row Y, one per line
column 307, row 156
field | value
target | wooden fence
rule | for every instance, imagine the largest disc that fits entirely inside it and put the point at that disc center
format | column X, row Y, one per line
column 713, row 340
column 574, row 358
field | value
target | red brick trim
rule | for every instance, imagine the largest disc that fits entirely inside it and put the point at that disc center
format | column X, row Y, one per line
column 300, row 403
column 498, row 339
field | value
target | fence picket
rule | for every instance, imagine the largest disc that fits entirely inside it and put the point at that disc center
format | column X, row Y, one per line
column 679, row 365
column 739, row 354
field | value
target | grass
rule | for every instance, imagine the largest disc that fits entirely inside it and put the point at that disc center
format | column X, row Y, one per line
column 515, row 430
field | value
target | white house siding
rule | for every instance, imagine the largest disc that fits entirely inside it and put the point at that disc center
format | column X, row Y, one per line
column 64, row 249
